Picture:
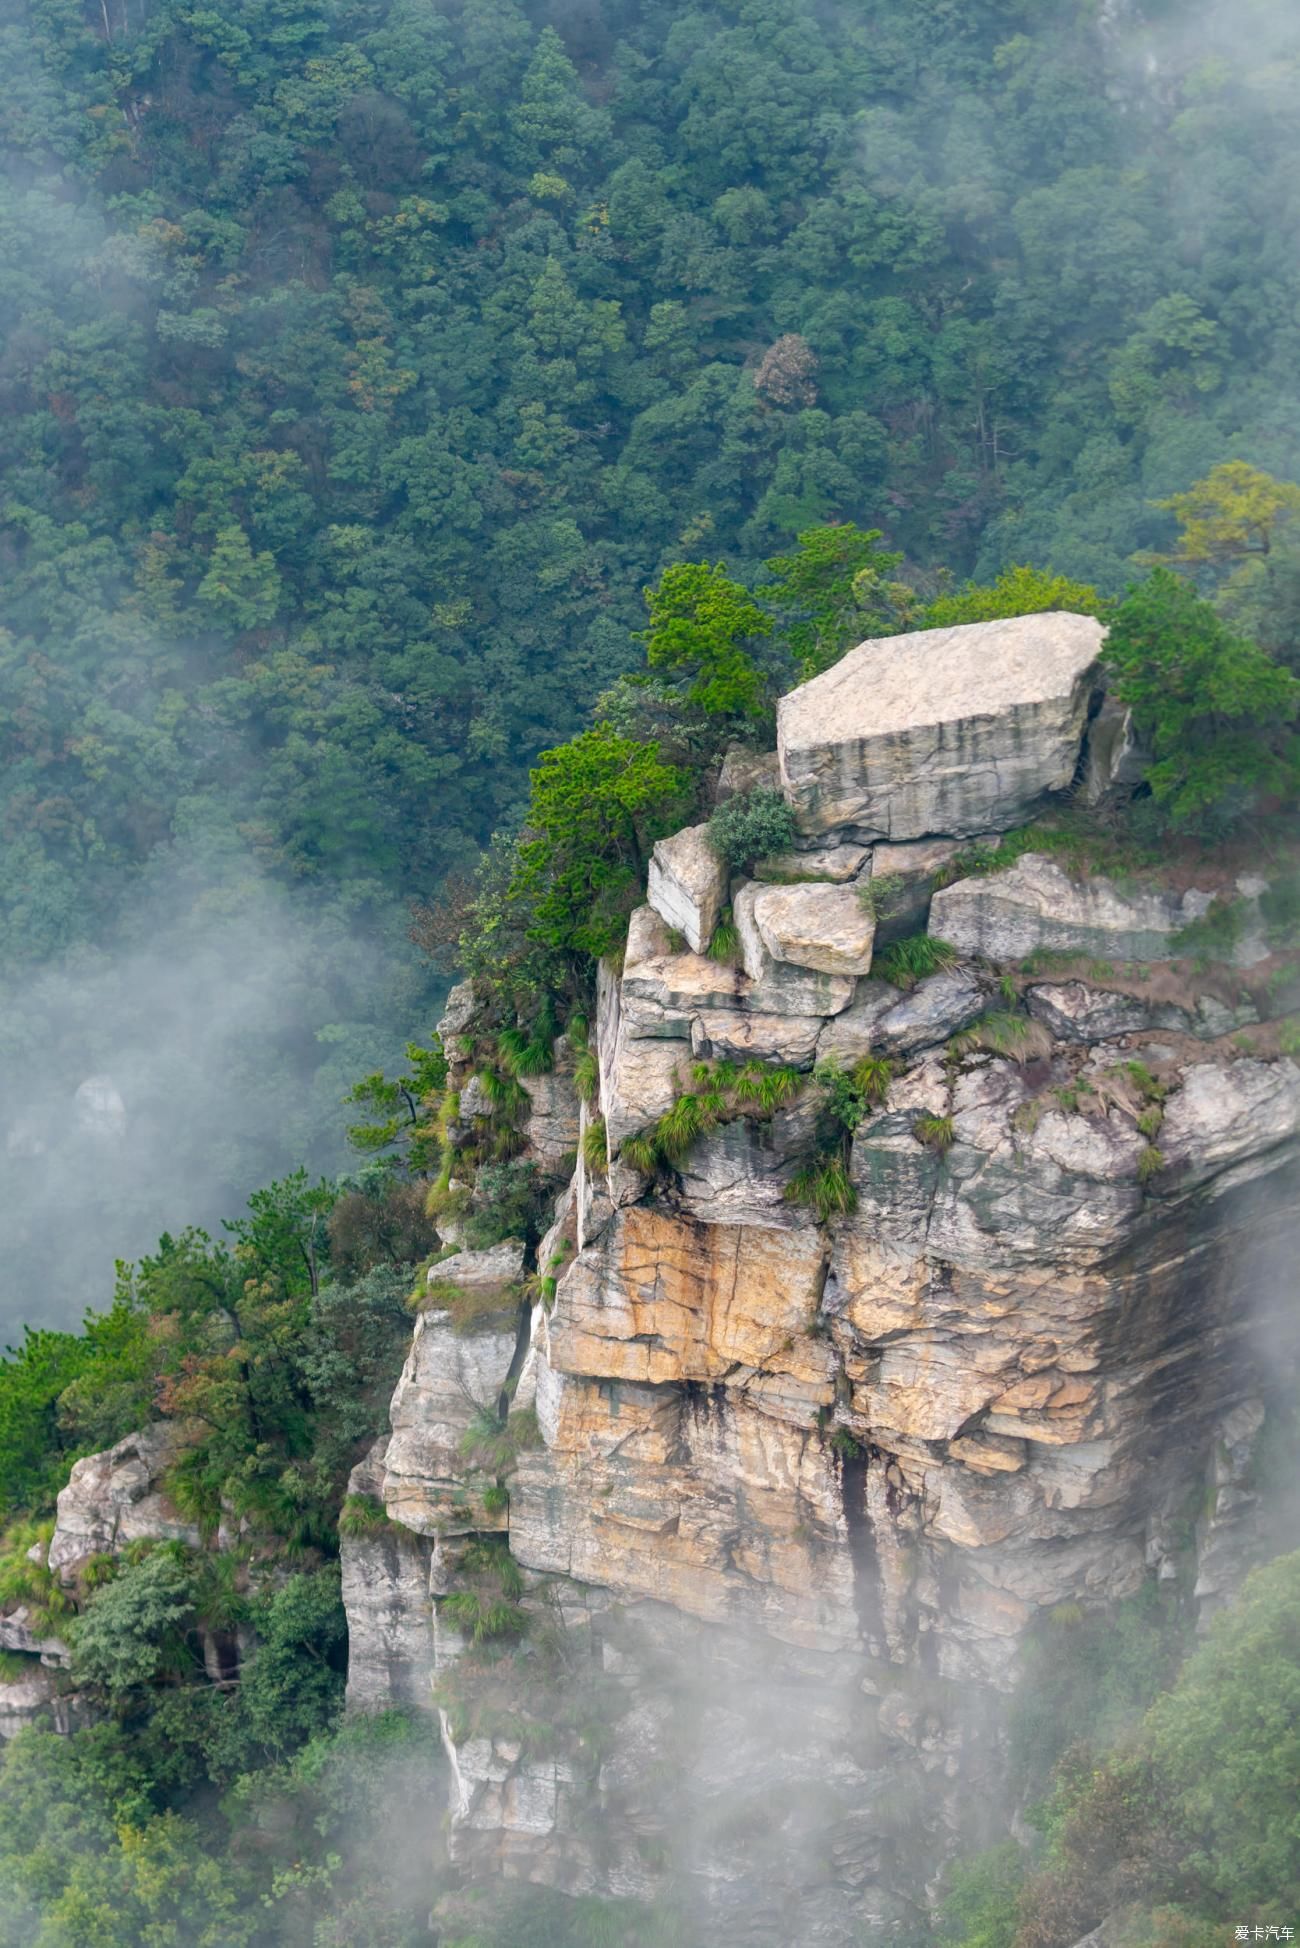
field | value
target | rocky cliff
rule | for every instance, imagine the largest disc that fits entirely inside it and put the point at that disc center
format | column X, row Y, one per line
column 939, row 1310
column 917, row 1268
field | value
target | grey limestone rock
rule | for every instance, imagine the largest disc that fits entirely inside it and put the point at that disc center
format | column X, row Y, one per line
column 688, row 885
column 385, row 1584
column 936, row 1008
column 951, row 731
column 1227, row 1114
column 448, row 1378
column 117, row 1497
column 836, row 864
column 883, row 1020
column 902, row 880
column 821, row 927
column 553, row 1112
column 1036, row 904
column 483, row 1274
column 1074, row 1011
column 744, row 769
column 458, row 1014
column 779, row 987
column 1115, row 762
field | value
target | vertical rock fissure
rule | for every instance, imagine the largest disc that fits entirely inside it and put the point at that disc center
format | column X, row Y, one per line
column 864, row 1557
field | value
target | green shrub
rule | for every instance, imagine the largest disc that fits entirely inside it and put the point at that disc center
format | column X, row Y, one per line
column 1215, row 935
column 509, row 1200
column 750, row 826
column 936, row 1132
column 586, row 1075
column 594, row 1146
column 363, row 1515
column 1016, row 592
column 980, row 1905
column 521, row 1054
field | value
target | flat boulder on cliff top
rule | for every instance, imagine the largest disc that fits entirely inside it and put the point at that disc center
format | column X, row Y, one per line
column 949, row 730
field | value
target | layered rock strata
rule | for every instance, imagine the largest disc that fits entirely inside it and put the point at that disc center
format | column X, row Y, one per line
column 802, row 1478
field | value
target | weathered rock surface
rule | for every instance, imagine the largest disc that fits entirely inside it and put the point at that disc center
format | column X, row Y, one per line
column 117, row 1497
column 688, row 885
column 1074, row 1011
column 26, row 1699
column 884, row 1022
column 1036, row 904
column 902, row 879
column 1233, row 1114
column 662, row 1298
column 20, row 1631
column 458, row 1014
column 824, row 928
column 553, row 1112
column 836, row 864
column 798, row 1490
column 1115, row 762
column 385, row 1587
column 739, row 1173
column 482, row 1275
column 778, row 987
column 449, row 1378
column 744, row 770
column 951, row 731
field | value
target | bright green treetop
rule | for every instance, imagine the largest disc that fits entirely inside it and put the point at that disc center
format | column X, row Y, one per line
column 1215, row 710
column 699, row 620
column 834, row 590
column 597, row 805
column 1016, row 592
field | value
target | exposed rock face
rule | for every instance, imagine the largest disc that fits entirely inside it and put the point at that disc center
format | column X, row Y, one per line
column 799, row 1488
column 553, row 1113
column 449, row 1377
column 835, row 863
column 946, row 731
column 117, row 1497
column 902, row 878
column 824, row 928
column 745, row 770
column 850, row 1451
column 688, row 885
column 1036, row 904
column 1076, row 1012
column 390, row 1611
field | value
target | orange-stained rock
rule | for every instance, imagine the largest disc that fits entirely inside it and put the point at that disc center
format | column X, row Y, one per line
column 665, row 1298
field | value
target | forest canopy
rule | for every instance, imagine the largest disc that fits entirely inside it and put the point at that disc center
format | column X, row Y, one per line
column 364, row 363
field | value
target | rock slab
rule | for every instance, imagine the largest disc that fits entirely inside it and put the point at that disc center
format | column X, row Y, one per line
column 951, row 731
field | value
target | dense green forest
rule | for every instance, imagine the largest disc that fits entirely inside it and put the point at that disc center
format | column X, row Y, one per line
column 361, row 363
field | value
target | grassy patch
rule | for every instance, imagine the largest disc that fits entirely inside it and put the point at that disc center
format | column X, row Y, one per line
column 724, row 946
column 1004, row 1033
column 364, row 1515
column 824, row 1186
column 935, row 1132
column 913, row 959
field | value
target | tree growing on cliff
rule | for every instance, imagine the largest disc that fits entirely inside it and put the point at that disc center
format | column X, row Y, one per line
column 834, row 590
column 699, row 622
column 1016, row 592
column 1216, row 712
column 598, row 804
